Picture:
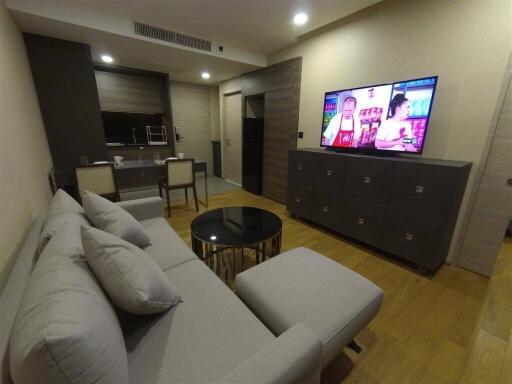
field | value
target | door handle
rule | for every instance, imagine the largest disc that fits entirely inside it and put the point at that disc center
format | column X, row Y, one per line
column 509, row 182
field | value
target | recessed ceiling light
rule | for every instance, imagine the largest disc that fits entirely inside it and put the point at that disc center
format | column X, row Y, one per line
column 205, row 75
column 107, row 59
column 300, row 18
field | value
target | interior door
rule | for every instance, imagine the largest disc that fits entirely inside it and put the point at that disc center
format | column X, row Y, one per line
column 232, row 140
column 492, row 209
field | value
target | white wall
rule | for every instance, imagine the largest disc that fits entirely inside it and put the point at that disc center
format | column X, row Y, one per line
column 466, row 43
column 24, row 154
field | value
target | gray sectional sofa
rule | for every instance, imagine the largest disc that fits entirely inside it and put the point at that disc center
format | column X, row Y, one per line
column 212, row 336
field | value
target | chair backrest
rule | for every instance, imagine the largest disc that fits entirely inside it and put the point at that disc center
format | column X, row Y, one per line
column 180, row 172
column 97, row 178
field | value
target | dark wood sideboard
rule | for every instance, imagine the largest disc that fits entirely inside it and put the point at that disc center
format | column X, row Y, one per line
column 407, row 207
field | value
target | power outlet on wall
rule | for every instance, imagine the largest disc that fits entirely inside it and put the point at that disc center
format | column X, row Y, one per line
column 301, row 135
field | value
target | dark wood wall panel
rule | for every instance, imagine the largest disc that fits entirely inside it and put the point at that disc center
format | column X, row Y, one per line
column 275, row 77
column 66, row 88
column 120, row 92
column 280, row 84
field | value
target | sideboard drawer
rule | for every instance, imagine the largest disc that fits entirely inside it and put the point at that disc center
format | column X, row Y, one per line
column 300, row 170
column 369, row 179
column 418, row 242
column 423, row 190
column 325, row 210
column 299, row 202
column 329, row 173
column 363, row 221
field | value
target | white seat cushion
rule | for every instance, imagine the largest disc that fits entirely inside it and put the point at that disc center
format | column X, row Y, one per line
column 302, row 286
column 198, row 341
column 167, row 249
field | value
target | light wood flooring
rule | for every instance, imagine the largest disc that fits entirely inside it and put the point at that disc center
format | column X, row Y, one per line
column 454, row 327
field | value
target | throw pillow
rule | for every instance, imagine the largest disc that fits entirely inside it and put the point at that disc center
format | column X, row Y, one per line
column 111, row 218
column 130, row 277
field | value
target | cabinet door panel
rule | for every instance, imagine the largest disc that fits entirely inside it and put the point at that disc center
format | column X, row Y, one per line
column 299, row 180
column 414, row 240
column 369, row 179
column 300, row 170
column 329, row 173
column 363, row 221
column 300, row 203
column 423, row 190
column 326, row 209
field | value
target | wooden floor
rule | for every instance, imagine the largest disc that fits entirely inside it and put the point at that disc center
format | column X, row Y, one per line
column 452, row 328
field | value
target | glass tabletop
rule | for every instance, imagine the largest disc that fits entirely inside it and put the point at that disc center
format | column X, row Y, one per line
column 236, row 226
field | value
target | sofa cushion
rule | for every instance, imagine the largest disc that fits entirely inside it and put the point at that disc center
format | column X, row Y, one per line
column 65, row 329
column 197, row 341
column 303, row 286
column 63, row 211
column 167, row 249
column 131, row 278
column 111, row 218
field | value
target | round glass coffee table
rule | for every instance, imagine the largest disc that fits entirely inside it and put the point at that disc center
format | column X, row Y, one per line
column 235, row 229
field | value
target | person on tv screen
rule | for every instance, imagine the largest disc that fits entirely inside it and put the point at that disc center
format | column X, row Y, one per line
column 395, row 133
column 344, row 129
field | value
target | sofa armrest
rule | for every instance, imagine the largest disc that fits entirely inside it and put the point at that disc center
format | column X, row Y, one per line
column 294, row 357
column 143, row 209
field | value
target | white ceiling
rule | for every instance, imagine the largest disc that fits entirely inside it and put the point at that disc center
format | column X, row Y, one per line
column 262, row 26
column 248, row 29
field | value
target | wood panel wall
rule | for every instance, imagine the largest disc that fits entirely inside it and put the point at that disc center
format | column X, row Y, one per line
column 121, row 92
column 280, row 84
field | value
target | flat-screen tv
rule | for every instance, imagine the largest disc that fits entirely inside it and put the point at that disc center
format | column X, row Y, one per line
column 379, row 118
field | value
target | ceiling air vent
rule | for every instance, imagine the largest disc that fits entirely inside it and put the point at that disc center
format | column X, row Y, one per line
column 172, row 37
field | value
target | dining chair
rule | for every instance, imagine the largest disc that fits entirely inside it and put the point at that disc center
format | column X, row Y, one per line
column 179, row 175
column 97, row 178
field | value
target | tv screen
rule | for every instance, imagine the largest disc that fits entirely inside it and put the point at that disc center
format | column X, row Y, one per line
column 386, row 117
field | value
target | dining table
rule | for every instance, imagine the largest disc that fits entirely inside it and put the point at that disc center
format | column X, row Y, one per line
column 147, row 172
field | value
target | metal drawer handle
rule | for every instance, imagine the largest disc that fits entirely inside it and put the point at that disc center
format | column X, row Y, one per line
column 325, row 209
column 329, row 172
column 360, row 220
column 409, row 236
column 299, row 167
column 297, row 199
column 367, row 179
column 419, row 189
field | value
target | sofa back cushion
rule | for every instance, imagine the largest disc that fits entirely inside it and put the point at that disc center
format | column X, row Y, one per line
column 66, row 330
column 110, row 217
column 63, row 211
